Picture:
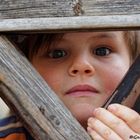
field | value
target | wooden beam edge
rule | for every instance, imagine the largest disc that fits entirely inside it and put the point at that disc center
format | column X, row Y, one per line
column 57, row 24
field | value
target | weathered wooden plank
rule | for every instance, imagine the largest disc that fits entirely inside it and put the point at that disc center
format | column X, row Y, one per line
column 71, row 23
column 60, row 8
column 43, row 114
column 61, row 15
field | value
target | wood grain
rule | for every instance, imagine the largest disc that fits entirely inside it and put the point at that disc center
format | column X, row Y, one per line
column 68, row 15
column 67, row 24
column 66, row 8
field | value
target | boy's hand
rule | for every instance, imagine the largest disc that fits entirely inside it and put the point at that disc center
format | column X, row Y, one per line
column 118, row 122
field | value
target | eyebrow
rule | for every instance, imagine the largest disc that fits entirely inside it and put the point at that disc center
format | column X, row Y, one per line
column 100, row 35
column 105, row 35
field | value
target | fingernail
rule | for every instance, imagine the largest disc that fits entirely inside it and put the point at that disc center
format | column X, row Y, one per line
column 89, row 129
column 112, row 108
column 96, row 111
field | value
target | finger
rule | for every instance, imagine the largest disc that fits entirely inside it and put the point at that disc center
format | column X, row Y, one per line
column 93, row 134
column 102, row 130
column 113, row 122
column 131, row 117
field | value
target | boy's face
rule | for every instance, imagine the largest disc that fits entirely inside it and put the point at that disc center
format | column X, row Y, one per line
column 84, row 69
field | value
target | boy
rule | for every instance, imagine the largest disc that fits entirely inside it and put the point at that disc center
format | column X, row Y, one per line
column 90, row 65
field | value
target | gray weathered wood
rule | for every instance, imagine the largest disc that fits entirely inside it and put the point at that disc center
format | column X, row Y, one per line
column 116, row 22
column 66, row 8
column 43, row 114
column 61, row 15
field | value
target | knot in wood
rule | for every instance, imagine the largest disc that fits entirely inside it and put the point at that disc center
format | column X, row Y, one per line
column 41, row 108
column 54, row 120
column 77, row 7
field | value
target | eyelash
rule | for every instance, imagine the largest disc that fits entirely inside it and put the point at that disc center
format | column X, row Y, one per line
column 102, row 51
column 59, row 53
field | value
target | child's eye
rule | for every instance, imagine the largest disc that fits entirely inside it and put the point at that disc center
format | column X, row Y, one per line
column 57, row 53
column 102, row 51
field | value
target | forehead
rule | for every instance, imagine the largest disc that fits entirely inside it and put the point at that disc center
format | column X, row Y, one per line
column 95, row 35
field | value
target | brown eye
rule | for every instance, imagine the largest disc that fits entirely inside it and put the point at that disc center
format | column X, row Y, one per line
column 57, row 54
column 102, row 51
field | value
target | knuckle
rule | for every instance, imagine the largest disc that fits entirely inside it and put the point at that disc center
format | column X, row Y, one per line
column 134, row 119
column 107, row 133
column 116, row 123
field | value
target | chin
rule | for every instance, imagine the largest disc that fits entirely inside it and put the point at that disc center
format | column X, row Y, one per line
column 82, row 112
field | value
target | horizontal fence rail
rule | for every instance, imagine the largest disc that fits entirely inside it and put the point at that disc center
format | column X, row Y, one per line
column 68, row 15
column 70, row 23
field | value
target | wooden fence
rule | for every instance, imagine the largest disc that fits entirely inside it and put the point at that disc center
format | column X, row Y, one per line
column 44, row 115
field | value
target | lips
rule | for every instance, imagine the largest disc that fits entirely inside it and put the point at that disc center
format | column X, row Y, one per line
column 82, row 90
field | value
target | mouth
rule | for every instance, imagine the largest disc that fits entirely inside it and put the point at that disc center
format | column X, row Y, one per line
column 82, row 91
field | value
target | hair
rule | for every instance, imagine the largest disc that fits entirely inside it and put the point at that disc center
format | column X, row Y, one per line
column 31, row 44
column 132, row 42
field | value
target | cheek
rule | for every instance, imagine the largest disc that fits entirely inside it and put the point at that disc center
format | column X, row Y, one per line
column 49, row 75
column 53, row 75
column 53, row 79
column 112, row 78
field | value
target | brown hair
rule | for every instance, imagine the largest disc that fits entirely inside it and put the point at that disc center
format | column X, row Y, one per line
column 132, row 42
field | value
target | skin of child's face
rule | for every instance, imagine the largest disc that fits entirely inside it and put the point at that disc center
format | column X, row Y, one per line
column 84, row 69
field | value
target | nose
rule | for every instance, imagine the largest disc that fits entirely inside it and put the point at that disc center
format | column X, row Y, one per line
column 81, row 67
